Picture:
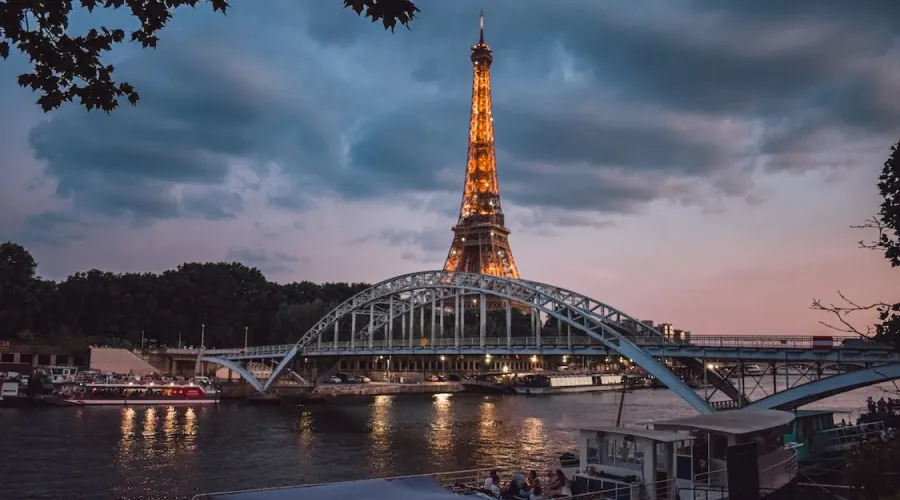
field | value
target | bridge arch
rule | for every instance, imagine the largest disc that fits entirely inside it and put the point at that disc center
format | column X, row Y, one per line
column 237, row 368
column 595, row 319
column 823, row 388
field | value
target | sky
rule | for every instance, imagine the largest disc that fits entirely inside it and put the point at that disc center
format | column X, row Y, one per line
column 688, row 161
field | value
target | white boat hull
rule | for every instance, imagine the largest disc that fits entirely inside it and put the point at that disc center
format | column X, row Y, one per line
column 140, row 402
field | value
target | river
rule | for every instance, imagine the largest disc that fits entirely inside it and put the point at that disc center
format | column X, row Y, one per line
column 163, row 453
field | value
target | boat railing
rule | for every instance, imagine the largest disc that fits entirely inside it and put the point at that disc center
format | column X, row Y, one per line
column 781, row 472
column 716, row 477
column 848, row 434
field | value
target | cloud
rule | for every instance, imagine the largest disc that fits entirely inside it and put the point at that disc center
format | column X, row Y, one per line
column 270, row 262
column 601, row 110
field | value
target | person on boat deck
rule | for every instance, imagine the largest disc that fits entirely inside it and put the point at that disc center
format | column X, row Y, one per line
column 559, row 485
column 492, row 483
column 536, row 494
column 516, row 487
column 533, row 481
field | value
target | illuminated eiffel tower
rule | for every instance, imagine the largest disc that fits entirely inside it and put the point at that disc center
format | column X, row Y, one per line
column 480, row 237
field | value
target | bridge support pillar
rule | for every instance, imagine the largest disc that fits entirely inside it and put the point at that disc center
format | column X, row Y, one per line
column 390, row 327
column 482, row 320
column 456, row 320
column 442, row 320
column 353, row 330
column 433, row 312
column 412, row 320
column 422, row 320
column 569, row 329
column 371, row 338
column 509, row 324
column 336, row 328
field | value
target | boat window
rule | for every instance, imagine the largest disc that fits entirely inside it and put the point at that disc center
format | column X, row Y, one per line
column 593, row 450
column 623, row 453
column 684, row 460
column 718, row 446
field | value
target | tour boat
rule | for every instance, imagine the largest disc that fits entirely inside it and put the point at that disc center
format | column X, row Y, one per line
column 140, row 393
column 540, row 384
column 701, row 457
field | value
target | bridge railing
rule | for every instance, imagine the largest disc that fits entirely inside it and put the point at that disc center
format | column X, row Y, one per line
column 700, row 341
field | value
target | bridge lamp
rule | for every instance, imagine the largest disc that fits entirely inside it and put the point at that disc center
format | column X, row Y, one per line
column 534, row 359
column 565, row 358
column 442, row 358
column 505, row 369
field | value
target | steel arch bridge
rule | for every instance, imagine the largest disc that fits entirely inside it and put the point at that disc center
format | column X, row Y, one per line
column 402, row 295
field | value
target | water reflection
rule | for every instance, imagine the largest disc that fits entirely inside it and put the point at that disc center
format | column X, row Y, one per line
column 126, row 443
column 149, row 433
column 489, row 430
column 170, row 429
column 305, row 429
column 379, row 435
column 440, row 439
column 189, row 445
column 533, row 439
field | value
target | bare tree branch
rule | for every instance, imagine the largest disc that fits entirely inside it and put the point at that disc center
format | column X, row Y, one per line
column 845, row 309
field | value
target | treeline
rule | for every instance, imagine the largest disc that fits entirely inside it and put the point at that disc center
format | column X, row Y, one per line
column 100, row 307
column 103, row 307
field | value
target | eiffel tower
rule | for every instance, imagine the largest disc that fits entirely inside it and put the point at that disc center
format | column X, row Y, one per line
column 480, row 237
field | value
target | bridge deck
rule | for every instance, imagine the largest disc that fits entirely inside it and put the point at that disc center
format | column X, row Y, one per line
column 711, row 347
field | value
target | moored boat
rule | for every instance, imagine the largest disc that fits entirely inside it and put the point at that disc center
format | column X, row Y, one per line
column 139, row 393
column 544, row 384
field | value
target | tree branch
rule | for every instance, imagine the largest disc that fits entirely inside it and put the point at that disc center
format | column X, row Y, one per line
column 845, row 309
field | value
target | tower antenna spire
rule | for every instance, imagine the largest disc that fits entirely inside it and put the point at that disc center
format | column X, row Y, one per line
column 481, row 23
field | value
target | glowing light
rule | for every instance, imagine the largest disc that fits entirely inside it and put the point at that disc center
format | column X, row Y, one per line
column 442, row 358
column 534, row 359
column 505, row 368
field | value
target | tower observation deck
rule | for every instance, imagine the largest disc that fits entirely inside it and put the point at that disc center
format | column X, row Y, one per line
column 480, row 237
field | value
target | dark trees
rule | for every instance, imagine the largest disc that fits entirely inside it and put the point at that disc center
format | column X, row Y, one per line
column 98, row 306
column 68, row 67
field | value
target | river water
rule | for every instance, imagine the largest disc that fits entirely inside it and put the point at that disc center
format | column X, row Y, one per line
column 163, row 453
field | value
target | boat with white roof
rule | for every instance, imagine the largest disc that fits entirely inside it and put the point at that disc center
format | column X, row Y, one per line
column 705, row 457
column 139, row 393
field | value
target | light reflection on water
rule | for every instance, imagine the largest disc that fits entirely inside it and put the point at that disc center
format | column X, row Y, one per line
column 440, row 439
column 380, row 456
column 163, row 453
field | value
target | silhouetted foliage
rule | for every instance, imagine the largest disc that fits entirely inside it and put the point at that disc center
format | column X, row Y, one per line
column 68, row 68
column 99, row 306
column 887, row 225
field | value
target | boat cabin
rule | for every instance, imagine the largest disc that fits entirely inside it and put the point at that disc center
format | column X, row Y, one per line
column 744, row 439
column 685, row 457
column 62, row 374
column 817, row 436
column 615, row 460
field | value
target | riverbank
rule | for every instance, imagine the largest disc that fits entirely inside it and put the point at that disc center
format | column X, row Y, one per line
column 245, row 391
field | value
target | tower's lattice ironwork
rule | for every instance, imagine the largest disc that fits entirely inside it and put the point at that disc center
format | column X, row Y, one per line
column 480, row 237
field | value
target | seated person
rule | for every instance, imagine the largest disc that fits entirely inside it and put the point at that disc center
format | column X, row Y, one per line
column 536, row 494
column 492, row 484
column 533, row 481
column 559, row 486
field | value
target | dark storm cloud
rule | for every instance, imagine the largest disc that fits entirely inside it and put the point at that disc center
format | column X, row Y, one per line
column 200, row 109
column 589, row 99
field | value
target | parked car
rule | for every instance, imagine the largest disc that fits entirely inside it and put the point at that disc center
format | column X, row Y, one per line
column 331, row 379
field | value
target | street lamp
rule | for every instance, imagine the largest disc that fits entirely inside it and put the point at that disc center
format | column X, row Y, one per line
column 246, row 328
column 202, row 335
